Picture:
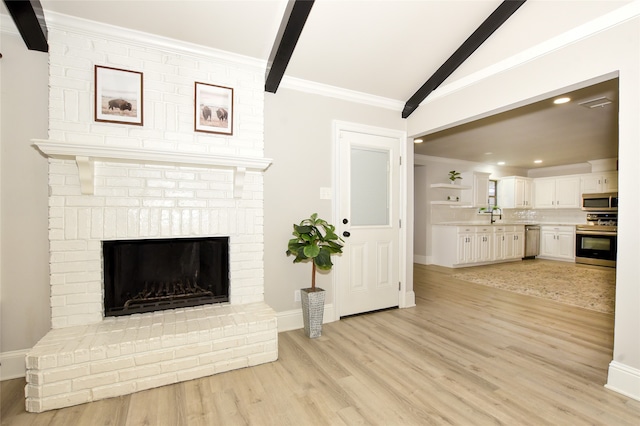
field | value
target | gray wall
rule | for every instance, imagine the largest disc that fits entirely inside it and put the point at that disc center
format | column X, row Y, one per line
column 298, row 136
column 24, row 264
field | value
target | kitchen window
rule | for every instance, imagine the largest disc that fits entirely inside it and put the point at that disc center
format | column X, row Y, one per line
column 493, row 194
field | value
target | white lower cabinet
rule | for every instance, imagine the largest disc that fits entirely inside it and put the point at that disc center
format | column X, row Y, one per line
column 454, row 246
column 508, row 242
column 465, row 248
column 558, row 242
column 483, row 247
column 516, row 241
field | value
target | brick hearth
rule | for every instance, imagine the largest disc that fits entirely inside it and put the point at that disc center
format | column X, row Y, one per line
column 122, row 355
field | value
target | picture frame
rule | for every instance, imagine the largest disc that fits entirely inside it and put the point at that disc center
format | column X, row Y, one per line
column 213, row 109
column 118, row 96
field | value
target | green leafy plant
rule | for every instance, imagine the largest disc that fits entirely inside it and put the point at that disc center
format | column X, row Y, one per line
column 315, row 240
column 453, row 176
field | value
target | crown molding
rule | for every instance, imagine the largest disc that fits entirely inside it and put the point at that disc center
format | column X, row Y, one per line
column 85, row 27
column 340, row 93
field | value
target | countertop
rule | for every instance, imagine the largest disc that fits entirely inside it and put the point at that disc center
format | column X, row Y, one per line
column 499, row 223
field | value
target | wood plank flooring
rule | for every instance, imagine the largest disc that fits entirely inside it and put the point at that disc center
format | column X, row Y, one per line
column 466, row 355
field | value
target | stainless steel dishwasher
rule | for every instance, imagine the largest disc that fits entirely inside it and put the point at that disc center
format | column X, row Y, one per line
column 531, row 241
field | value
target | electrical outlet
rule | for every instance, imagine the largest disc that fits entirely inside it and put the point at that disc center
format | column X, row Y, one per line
column 296, row 296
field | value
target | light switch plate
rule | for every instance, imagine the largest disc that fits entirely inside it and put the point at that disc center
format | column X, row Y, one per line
column 326, row 193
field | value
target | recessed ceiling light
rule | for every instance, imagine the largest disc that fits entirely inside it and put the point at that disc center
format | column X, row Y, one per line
column 418, row 141
column 488, row 153
column 501, row 163
column 561, row 100
column 538, row 161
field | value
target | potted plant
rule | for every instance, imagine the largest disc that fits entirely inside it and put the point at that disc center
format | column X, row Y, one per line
column 453, row 176
column 315, row 241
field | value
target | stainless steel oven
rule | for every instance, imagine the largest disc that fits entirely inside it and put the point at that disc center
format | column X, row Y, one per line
column 597, row 240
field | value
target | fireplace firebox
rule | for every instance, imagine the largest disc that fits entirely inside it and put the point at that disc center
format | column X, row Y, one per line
column 158, row 274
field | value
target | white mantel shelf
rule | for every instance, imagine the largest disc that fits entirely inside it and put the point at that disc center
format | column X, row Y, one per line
column 86, row 155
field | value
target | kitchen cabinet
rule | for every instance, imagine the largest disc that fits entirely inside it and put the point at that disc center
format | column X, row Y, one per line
column 595, row 183
column 483, row 244
column 466, row 246
column 508, row 242
column 479, row 194
column 455, row 246
column 557, row 242
column 557, row 193
column 452, row 245
column 500, row 242
column 515, row 192
column 515, row 243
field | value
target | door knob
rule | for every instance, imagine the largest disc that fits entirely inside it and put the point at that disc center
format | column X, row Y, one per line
column 346, row 234
column 345, row 220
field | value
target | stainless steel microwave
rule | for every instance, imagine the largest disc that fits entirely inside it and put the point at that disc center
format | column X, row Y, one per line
column 604, row 202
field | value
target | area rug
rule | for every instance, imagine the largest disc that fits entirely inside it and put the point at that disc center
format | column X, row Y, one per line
column 572, row 284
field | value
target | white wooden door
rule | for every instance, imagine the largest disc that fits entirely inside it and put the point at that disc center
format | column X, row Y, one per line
column 369, row 214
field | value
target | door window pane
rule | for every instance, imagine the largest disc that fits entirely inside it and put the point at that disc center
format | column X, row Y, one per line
column 369, row 187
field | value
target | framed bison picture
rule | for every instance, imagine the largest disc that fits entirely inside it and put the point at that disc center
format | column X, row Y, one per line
column 118, row 96
column 213, row 109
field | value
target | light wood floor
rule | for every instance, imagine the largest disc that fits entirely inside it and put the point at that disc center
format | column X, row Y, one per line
column 466, row 355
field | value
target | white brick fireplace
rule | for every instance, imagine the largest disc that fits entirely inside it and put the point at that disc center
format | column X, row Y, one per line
column 161, row 180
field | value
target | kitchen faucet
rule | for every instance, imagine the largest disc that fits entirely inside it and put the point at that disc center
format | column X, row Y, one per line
column 491, row 213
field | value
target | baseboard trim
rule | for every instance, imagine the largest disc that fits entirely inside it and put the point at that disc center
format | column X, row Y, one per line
column 624, row 380
column 292, row 319
column 422, row 260
column 409, row 300
column 12, row 364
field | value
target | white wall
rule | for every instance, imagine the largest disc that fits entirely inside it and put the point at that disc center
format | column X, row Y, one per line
column 298, row 136
column 24, row 277
column 613, row 49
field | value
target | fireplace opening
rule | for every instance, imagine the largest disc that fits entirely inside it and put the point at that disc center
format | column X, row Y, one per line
column 152, row 275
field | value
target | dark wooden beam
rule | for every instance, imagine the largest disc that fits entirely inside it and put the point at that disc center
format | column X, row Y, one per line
column 295, row 17
column 479, row 36
column 29, row 18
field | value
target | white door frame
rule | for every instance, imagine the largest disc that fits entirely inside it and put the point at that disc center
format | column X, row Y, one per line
column 406, row 298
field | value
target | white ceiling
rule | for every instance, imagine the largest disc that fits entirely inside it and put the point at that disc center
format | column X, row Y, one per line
column 387, row 48
column 555, row 134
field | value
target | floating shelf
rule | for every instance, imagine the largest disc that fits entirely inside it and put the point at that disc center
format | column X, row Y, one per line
column 85, row 155
column 449, row 186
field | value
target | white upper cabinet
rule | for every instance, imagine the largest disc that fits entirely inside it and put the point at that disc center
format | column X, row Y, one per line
column 595, row 183
column 479, row 194
column 515, row 192
column 557, row 193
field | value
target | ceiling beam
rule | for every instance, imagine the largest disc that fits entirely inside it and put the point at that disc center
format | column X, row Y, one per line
column 29, row 19
column 293, row 21
column 479, row 36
